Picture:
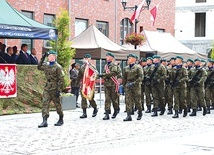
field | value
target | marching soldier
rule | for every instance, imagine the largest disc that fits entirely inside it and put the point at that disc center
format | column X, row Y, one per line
column 209, row 84
column 111, row 84
column 148, row 88
column 54, row 85
column 87, row 60
column 157, row 78
column 198, row 76
column 178, row 83
column 132, row 79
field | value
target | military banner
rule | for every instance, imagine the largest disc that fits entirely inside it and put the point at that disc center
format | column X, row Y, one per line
column 8, row 85
column 88, row 83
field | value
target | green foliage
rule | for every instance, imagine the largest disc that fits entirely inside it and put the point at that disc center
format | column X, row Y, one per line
column 63, row 45
column 212, row 52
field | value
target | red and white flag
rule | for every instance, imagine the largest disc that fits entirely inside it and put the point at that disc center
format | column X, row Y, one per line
column 8, row 85
column 137, row 12
column 153, row 12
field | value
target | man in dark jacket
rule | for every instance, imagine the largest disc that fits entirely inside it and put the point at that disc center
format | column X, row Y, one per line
column 24, row 57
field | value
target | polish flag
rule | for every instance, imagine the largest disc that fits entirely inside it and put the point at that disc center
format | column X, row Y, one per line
column 154, row 13
column 137, row 12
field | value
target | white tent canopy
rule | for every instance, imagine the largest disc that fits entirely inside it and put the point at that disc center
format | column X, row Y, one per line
column 167, row 46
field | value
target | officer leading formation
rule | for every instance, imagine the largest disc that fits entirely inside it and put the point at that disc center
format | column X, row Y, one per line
column 182, row 86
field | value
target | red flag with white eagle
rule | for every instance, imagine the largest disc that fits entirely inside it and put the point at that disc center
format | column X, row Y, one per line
column 8, row 85
column 137, row 12
column 153, row 12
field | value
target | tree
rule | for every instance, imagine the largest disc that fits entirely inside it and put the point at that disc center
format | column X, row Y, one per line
column 212, row 52
column 63, row 45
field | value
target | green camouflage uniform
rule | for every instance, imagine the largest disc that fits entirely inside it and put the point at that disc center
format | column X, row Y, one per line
column 148, row 88
column 209, row 86
column 80, row 77
column 197, row 91
column 168, row 89
column 178, row 81
column 158, row 86
column 110, row 86
column 134, row 75
column 55, row 80
column 189, row 102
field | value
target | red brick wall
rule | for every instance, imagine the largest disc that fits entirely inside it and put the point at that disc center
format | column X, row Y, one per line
column 101, row 10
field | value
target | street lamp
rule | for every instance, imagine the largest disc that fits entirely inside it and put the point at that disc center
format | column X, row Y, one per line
column 124, row 2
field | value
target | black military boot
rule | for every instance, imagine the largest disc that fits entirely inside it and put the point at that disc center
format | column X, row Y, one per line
column 208, row 109
column 162, row 111
column 170, row 111
column 95, row 112
column 188, row 108
column 115, row 114
column 60, row 121
column 128, row 118
column 44, row 123
column 109, row 112
column 180, row 111
column 193, row 112
column 185, row 112
column 176, row 114
column 155, row 113
column 212, row 106
column 140, row 114
column 199, row 108
column 84, row 115
column 142, row 107
column 106, row 115
column 133, row 110
column 148, row 109
column 204, row 111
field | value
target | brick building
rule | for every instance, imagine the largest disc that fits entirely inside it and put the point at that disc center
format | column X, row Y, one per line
column 107, row 15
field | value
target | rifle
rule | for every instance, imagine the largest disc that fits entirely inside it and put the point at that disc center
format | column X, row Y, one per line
column 175, row 81
column 148, row 80
column 208, row 80
column 194, row 81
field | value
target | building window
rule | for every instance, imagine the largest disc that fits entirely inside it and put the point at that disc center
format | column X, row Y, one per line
column 80, row 26
column 125, row 28
column 29, row 42
column 161, row 30
column 200, row 24
column 103, row 27
column 49, row 21
column 200, row 1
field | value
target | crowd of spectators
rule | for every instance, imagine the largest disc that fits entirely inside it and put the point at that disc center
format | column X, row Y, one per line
column 11, row 55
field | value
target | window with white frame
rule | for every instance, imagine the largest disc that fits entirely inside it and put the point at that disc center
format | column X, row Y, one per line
column 80, row 25
column 125, row 28
column 103, row 27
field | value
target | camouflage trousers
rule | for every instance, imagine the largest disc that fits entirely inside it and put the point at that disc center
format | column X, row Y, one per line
column 158, row 92
column 209, row 96
column 49, row 96
column 142, row 94
column 180, row 96
column 133, row 96
column 169, row 96
column 189, row 102
column 84, row 102
column 148, row 93
column 111, row 97
column 197, row 94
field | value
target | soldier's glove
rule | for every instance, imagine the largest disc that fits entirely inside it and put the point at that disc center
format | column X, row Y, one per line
column 100, row 75
column 130, row 84
column 195, row 84
column 175, row 84
column 44, row 56
column 57, row 94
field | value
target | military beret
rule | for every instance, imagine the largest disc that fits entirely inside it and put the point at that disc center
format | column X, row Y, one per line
column 132, row 55
column 110, row 54
column 149, row 58
column 143, row 60
column 172, row 58
column 190, row 60
column 52, row 52
column 163, row 60
column 210, row 60
column 156, row 56
column 197, row 59
column 203, row 61
column 87, row 56
column 179, row 57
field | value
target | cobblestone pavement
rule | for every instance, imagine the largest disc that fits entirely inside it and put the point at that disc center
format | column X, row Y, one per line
column 20, row 134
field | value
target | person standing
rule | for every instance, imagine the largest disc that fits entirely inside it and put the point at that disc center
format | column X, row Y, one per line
column 87, row 61
column 75, row 84
column 111, row 86
column 54, row 85
column 24, row 57
column 7, row 57
column 157, row 78
column 33, row 58
column 178, row 83
column 132, row 79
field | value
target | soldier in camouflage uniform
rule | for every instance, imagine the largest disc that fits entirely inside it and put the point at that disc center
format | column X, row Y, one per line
column 111, row 85
column 198, row 76
column 132, row 79
column 54, row 85
column 178, row 83
column 148, row 88
column 157, row 78
column 209, row 84
column 87, row 59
